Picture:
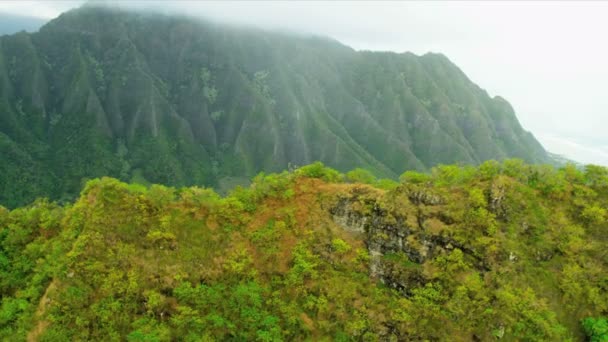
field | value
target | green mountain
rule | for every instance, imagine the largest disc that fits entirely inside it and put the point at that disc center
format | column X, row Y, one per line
column 506, row 252
column 176, row 101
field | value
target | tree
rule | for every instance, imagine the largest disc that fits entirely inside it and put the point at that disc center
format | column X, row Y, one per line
column 596, row 329
column 360, row 175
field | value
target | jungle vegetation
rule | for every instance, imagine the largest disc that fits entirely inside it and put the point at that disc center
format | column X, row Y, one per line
column 506, row 251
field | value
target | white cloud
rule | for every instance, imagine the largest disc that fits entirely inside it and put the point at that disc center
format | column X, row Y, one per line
column 38, row 9
column 576, row 150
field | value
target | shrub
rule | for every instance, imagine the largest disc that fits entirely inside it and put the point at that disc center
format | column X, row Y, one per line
column 414, row 177
column 340, row 246
column 596, row 329
column 386, row 184
column 360, row 175
column 318, row 170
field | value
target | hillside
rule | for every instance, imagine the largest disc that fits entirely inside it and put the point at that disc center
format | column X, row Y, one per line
column 171, row 100
column 504, row 251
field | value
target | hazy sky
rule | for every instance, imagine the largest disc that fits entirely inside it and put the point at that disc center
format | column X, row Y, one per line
column 548, row 59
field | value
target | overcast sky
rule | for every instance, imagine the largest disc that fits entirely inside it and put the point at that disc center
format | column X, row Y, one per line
column 548, row 59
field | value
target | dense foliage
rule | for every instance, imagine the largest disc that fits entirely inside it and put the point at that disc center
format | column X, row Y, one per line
column 503, row 251
column 168, row 100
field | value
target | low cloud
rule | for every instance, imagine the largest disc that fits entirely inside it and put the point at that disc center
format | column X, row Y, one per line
column 575, row 150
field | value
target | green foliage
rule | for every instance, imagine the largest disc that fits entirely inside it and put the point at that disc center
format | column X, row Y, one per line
column 318, row 170
column 489, row 169
column 386, row 184
column 596, row 329
column 596, row 176
column 477, row 198
column 453, row 174
column 414, row 177
column 594, row 215
column 516, row 168
column 304, row 266
column 340, row 246
column 359, row 175
column 498, row 256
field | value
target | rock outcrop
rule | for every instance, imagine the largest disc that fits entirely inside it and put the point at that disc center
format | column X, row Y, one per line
column 397, row 239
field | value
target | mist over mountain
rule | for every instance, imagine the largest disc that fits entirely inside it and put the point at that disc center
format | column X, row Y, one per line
column 164, row 99
column 10, row 23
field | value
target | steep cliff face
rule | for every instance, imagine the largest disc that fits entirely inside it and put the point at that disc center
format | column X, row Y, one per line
column 416, row 234
column 171, row 100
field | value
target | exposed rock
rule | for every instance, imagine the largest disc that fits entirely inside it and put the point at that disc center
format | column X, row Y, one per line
column 421, row 196
column 497, row 195
column 347, row 218
column 387, row 233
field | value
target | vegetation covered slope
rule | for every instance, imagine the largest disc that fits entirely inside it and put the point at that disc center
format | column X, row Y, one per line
column 150, row 98
column 504, row 251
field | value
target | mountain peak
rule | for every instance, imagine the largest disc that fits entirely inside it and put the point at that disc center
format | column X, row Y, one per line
column 167, row 99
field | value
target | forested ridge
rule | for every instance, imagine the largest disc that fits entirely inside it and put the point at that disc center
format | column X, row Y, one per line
column 150, row 98
column 505, row 251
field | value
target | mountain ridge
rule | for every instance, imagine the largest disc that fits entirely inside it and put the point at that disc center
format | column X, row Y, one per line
column 501, row 251
column 162, row 99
